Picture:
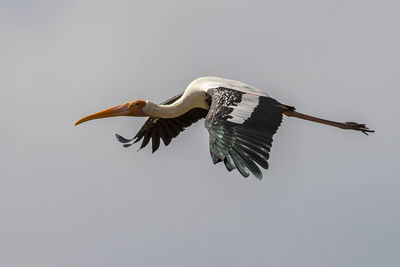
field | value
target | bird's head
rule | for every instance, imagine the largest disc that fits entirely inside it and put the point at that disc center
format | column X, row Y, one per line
column 134, row 108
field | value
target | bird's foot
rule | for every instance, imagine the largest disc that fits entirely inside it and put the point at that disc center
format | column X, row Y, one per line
column 358, row 127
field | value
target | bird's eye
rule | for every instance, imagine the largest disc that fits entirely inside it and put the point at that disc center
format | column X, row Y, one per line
column 137, row 103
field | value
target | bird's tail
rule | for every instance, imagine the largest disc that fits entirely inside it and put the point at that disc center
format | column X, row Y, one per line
column 287, row 108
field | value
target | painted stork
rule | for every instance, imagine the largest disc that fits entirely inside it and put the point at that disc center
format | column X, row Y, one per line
column 241, row 121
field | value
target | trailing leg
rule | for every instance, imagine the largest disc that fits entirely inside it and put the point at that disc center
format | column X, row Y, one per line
column 291, row 112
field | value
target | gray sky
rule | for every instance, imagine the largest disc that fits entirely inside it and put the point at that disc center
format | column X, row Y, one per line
column 72, row 196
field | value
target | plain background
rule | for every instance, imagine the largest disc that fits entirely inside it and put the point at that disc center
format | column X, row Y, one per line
column 73, row 196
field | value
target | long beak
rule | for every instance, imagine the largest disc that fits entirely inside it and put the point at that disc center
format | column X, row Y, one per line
column 120, row 110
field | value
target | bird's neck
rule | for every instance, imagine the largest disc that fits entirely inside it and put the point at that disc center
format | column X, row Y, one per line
column 173, row 110
column 189, row 100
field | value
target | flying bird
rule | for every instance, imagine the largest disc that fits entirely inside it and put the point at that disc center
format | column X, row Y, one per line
column 241, row 121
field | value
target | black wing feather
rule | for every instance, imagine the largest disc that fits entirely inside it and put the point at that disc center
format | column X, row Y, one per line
column 245, row 142
column 155, row 138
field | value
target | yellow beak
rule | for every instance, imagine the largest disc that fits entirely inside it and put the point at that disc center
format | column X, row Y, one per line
column 120, row 110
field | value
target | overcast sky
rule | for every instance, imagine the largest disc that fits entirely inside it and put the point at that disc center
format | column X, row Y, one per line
column 73, row 196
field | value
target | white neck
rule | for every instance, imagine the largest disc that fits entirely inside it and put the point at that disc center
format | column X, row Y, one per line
column 164, row 111
column 193, row 97
column 173, row 110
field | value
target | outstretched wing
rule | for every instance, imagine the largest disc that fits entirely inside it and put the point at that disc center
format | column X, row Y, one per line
column 241, row 126
column 166, row 129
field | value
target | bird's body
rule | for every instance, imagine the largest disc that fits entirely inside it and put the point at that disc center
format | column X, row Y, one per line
column 195, row 96
column 241, row 121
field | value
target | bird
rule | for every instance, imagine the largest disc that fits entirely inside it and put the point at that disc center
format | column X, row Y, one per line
column 241, row 121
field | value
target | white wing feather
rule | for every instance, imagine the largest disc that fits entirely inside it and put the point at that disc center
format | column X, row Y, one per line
column 206, row 83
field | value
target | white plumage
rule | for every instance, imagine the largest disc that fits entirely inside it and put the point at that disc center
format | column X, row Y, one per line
column 206, row 83
column 243, row 111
